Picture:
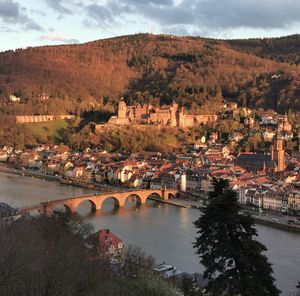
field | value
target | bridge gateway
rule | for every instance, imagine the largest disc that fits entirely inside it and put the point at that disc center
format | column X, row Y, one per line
column 97, row 200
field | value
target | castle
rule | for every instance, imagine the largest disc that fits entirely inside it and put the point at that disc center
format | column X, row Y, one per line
column 162, row 115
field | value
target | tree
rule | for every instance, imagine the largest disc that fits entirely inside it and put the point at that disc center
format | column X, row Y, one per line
column 135, row 261
column 298, row 289
column 189, row 288
column 44, row 256
column 234, row 261
column 55, row 256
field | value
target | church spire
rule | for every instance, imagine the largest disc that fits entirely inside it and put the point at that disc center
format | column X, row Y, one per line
column 277, row 153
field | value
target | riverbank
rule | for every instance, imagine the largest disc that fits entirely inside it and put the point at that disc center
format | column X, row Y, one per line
column 285, row 227
column 182, row 203
column 28, row 173
column 258, row 219
column 31, row 173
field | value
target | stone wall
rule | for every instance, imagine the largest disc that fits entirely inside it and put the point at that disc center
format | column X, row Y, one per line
column 42, row 118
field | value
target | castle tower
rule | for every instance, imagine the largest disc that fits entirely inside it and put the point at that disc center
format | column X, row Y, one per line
column 181, row 118
column 277, row 153
column 173, row 112
column 122, row 109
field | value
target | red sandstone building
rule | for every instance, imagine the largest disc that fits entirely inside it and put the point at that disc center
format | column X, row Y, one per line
column 163, row 115
column 255, row 162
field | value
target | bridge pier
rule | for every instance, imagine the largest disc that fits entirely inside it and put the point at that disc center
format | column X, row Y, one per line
column 121, row 203
column 47, row 210
column 164, row 194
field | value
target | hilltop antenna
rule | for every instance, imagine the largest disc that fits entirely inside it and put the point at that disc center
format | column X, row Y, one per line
column 152, row 30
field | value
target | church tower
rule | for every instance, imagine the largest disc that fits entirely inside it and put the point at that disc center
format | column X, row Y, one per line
column 122, row 109
column 277, row 153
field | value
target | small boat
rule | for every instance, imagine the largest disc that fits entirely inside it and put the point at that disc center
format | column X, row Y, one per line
column 166, row 270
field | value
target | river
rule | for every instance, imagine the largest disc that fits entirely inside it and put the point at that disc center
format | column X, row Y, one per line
column 164, row 231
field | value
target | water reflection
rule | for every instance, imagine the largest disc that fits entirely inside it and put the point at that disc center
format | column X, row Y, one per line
column 109, row 208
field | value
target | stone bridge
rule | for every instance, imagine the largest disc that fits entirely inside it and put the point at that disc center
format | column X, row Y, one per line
column 96, row 201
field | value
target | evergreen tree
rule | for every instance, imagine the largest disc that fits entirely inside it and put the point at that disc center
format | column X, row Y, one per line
column 298, row 289
column 234, row 261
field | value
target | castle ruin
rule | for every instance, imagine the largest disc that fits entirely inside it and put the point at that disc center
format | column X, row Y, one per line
column 163, row 115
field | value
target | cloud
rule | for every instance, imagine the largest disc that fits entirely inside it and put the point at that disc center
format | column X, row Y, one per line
column 57, row 37
column 100, row 14
column 37, row 12
column 5, row 29
column 11, row 13
column 266, row 14
column 200, row 15
column 57, row 6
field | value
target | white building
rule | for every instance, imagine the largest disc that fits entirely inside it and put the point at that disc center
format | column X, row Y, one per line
column 14, row 98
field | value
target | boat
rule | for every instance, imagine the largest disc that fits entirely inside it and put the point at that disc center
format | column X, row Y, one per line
column 166, row 270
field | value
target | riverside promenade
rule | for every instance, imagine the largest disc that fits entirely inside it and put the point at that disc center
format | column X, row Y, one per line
column 265, row 220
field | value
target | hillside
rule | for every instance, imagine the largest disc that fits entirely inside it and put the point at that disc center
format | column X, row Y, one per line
column 283, row 49
column 193, row 71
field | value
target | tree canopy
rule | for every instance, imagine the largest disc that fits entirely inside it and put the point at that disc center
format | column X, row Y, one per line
column 233, row 259
column 54, row 256
column 143, row 67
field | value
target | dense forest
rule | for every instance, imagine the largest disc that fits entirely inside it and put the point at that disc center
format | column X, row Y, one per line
column 145, row 68
column 284, row 49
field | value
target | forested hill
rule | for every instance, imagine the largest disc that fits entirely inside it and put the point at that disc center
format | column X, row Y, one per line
column 193, row 71
column 283, row 49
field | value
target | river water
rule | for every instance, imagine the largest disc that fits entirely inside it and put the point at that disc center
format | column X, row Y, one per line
column 164, row 231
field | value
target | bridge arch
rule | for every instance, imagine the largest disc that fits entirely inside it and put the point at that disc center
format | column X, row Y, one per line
column 63, row 207
column 35, row 212
column 171, row 195
column 138, row 199
column 117, row 201
column 92, row 203
column 154, row 194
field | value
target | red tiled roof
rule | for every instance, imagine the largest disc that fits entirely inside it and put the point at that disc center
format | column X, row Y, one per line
column 107, row 239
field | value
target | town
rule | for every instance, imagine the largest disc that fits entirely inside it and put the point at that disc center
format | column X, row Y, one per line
column 267, row 179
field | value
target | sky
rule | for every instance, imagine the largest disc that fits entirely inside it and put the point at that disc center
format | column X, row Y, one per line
column 26, row 23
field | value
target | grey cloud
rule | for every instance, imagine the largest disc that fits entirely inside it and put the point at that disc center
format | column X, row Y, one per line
column 247, row 13
column 5, row 29
column 57, row 6
column 204, row 14
column 158, row 3
column 169, row 16
column 9, row 9
column 100, row 14
column 11, row 13
column 37, row 12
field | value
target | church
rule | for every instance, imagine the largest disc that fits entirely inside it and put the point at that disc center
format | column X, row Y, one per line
column 172, row 115
column 268, row 163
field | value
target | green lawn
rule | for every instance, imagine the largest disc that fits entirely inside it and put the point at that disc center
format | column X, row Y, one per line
column 48, row 132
